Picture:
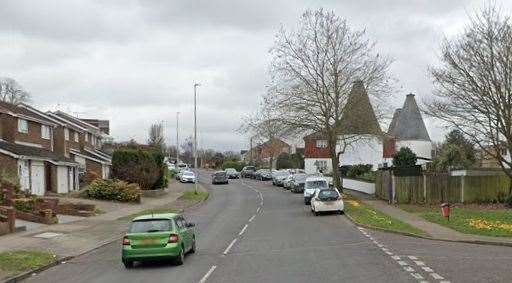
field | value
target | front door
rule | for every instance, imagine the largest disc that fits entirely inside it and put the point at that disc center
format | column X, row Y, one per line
column 37, row 178
column 71, row 179
column 24, row 174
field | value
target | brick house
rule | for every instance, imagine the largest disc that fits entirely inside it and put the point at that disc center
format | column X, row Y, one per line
column 84, row 142
column 269, row 150
column 29, row 153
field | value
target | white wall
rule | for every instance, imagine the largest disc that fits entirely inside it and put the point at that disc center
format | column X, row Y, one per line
column 310, row 167
column 62, row 180
column 360, row 186
column 368, row 150
column 420, row 148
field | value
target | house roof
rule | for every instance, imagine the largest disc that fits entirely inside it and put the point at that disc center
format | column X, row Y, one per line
column 91, row 155
column 33, row 152
column 76, row 121
column 66, row 123
column 392, row 125
column 26, row 112
column 358, row 115
column 409, row 125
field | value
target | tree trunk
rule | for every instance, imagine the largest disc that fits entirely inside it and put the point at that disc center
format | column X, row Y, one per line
column 335, row 163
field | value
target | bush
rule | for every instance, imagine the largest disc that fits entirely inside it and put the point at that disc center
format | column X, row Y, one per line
column 404, row 158
column 24, row 204
column 368, row 176
column 286, row 161
column 138, row 166
column 238, row 165
column 112, row 190
column 162, row 180
column 357, row 170
column 508, row 201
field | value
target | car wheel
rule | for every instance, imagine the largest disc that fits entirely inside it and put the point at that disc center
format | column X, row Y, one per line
column 181, row 257
column 193, row 248
column 340, row 212
column 128, row 264
column 316, row 213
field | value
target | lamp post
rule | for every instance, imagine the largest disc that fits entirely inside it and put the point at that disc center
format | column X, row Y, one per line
column 195, row 136
column 177, row 139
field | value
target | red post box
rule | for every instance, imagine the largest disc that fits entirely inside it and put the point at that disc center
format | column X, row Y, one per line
column 445, row 208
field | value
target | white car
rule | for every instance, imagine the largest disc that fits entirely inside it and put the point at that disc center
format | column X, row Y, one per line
column 188, row 177
column 327, row 200
column 311, row 185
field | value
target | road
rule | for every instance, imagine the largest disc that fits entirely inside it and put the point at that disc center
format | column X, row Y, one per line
column 249, row 231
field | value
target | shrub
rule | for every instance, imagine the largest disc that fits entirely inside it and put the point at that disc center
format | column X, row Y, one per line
column 508, row 201
column 368, row 176
column 162, row 180
column 404, row 158
column 137, row 166
column 357, row 170
column 24, row 204
column 112, row 190
column 238, row 165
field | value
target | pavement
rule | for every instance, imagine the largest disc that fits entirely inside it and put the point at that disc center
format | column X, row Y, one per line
column 76, row 235
column 250, row 231
column 435, row 231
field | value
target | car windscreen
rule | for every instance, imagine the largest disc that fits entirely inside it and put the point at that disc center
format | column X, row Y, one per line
column 150, row 225
column 188, row 174
column 220, row 174
column 328, row 195
column 182, row 165
column 250, row 168
column 318, row 184
column 230, row 170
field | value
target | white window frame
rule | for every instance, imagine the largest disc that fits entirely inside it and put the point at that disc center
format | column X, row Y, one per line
column 22, row 126
column 321, row 143
column 75, row 136
column 86, row 137
column 46, row 132
column 66, row 134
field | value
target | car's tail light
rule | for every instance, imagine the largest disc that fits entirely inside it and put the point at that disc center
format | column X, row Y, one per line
column 173, row 238
column 126, row 241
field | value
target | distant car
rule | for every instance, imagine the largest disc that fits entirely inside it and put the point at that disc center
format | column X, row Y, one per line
column 232, row 173
column 297, row 184
column 219, row 177
column 188, row 177
column 178, row 175
column 311, row 185
column 158, row 237
column 263, row 175
column 247, row 172
column 287, row 182
column 278, row 177
column 327, row 200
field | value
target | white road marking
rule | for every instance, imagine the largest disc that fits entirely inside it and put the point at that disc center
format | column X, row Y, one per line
column 402, row 263
column 252, row 218
column 417, row 275
column 243, row 230
column 427, row 269
column 205, row 277
column 395, row 257
column 419, row 263
column 436, row 276
column 413, row 257
column 258, row 210
column 444, row 281
column 229, row 247
column 389, row 253
column 408, row 269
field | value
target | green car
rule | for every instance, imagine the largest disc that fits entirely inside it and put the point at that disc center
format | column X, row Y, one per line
column 158, row 237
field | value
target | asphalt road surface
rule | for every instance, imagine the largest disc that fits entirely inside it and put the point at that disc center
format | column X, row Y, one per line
column 249, row 231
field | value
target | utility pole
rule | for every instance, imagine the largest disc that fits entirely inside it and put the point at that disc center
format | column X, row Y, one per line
column 195, row 136
column 250, row 151
column 177, row 139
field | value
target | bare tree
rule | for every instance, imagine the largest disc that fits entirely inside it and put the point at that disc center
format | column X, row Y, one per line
column 12, row 92
column 473, row 86
column 156, row 136
column 313, row 71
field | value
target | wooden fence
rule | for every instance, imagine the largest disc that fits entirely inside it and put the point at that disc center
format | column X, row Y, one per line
column 441, row 187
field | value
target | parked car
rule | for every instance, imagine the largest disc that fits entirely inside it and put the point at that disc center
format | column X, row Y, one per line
column 188, row 177
column 297, row 183
column 287, row 182
column 312, row 184
column 220, row 177
column 178, row 175
column 247, row 172
column 263, row 175
column 279, row 176
column 183, row 166
column 232, row 173
column 158, row 237
column 327, row 200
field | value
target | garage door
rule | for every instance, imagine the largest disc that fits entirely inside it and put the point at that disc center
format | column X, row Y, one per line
column 62, row 179
column 37, row 177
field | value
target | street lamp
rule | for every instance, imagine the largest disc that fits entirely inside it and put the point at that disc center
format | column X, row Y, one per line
column 195, row 136
column 177, row 139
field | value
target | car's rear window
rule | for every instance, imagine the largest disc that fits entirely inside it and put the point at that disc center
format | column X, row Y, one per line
column 220, row 174
column 300, row 178
column 328, row 194
column 252, row 168
column 319, row 184
column 230, row 170
column 188, row 173
column 150, row 225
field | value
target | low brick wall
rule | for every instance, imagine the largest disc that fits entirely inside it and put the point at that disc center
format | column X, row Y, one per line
column 7, row 220
column 76, row 209
column 44, row 216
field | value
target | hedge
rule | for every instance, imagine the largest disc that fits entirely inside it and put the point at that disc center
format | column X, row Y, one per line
column 112, row 190
column 143, row 167
column 238, row 165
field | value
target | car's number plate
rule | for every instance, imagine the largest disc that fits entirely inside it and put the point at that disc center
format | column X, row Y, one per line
column 146, row 242
column 329, row 203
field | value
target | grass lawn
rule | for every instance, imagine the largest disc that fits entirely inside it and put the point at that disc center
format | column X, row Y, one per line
column 365, row 215
column 16, row 262
column 469, row 219
column 192, row 196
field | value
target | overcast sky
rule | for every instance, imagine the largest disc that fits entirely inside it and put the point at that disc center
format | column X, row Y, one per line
column 135, row 62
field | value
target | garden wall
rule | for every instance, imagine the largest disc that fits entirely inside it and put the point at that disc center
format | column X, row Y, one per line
column 358, row 185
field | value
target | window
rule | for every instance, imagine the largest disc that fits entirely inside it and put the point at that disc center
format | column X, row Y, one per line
column 76, row 136
column 321, row 165
column 22, row 126
column 150, row 225
column 321, row 144
column 66, row 134
column 45, row 132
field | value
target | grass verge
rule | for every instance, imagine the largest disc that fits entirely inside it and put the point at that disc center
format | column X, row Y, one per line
column 192, row 196
column 16, row 262
column 468, row 220
column 367, row 216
